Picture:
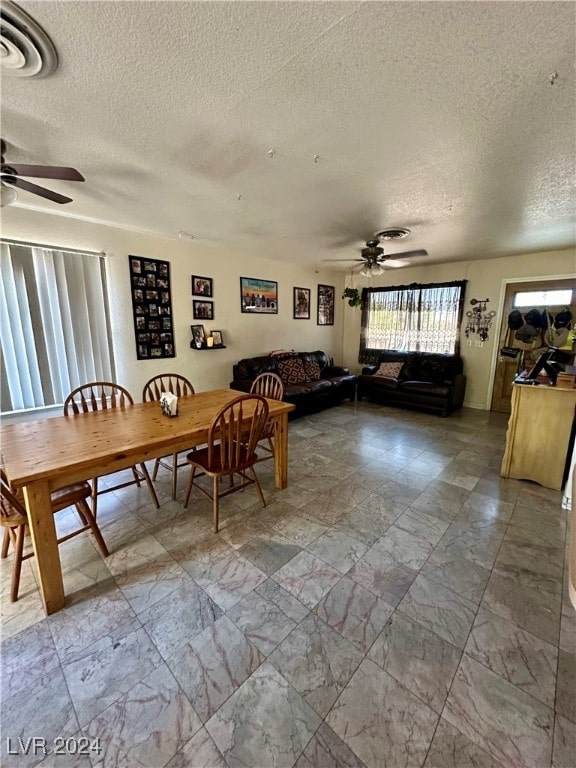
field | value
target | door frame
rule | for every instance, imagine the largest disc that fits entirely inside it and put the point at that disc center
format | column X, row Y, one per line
column 501, row 300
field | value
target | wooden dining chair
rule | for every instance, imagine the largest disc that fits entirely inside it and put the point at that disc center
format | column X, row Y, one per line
column 178, row 385
column 13, row 519
column 102, row 396
column 231, row 449
column 268, row 385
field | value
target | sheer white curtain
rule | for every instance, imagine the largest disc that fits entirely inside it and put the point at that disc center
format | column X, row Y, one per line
column 54, row 325
column 420, row 318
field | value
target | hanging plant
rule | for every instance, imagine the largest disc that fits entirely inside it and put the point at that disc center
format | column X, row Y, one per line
column 353, row 296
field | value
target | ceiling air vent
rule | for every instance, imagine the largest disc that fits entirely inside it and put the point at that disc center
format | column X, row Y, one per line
column 394, row 233
column 25, row 48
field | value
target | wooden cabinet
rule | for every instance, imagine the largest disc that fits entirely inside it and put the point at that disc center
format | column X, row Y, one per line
column 538, row 434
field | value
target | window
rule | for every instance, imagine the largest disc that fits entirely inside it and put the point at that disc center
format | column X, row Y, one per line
column 54, row 324
column 551, row 298
column 415, row 318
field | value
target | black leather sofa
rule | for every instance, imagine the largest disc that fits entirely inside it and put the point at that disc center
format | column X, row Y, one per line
column 428, row 381
column 326, row 385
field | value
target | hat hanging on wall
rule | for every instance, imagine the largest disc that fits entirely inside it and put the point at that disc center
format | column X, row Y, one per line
column 533, row 318
column 526, row 334
column 515, row 320
column 546, row 320
column 556, row 337
column 562, row 319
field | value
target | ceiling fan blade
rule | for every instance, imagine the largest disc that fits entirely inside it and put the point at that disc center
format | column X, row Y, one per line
column 43, row 171
column 406, row 254
column 35, row 189
column 342, row 259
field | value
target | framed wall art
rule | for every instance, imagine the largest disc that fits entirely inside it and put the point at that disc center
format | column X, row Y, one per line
column 202, row 286
column 325, row 305
column 301, row 304
column 217, row 336
column 198, row 336
column 152, row 307
column 258, row 296
column 203, row 310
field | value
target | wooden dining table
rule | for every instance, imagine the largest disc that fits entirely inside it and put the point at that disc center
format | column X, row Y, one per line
column 43, row 455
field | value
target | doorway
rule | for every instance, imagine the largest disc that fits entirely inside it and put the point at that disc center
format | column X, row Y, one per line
column 507, row 368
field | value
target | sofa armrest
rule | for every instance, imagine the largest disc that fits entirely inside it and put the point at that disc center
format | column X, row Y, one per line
column 331, row 371
column 459, row 385
column 369, row 370
column 243, row 385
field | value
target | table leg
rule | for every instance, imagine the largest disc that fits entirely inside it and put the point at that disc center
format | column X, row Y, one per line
column 281, row 451
column 43, row 532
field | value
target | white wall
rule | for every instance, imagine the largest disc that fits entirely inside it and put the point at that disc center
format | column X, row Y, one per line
column 248, row 335
column 485, row 280
column 245, row 335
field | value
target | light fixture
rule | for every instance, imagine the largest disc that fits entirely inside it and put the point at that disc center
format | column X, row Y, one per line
column 371, row 270
column 8, row 195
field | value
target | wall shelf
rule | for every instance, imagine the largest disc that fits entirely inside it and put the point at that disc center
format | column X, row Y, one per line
column 200, row 349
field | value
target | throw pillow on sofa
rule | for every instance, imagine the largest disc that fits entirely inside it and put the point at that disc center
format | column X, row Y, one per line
column 390, row 370
column 291, row 370
column 312, row 369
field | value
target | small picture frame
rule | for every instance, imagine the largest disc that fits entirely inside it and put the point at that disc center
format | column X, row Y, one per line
column 202, row 286
column 326, row 296
column 301, row 304
column 203, row 310
column 217, row 336
column 198, row 336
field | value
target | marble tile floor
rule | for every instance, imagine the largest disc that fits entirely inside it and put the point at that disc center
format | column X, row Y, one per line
column 399, row 604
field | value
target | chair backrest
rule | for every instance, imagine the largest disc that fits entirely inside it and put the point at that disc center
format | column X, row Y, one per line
column 166, row 382
column 12, row 508
column 97, row 396
column 235, row 432
column 268, row 385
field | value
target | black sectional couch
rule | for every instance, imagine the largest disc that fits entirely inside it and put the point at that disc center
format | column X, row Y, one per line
column 326, row 385
column 428, row 381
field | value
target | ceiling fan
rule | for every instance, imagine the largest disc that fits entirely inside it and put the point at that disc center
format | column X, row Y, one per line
column 373, row 257
column 10, row 174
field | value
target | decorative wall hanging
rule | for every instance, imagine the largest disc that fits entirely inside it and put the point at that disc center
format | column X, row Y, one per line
column 301, row 304
column 258, row 296
column 478, row 319
column 152, row 308
column 202, row 286
column 203, row 310
column 326, row 305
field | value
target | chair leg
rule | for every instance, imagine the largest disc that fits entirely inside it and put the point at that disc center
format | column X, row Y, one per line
column 84, row 511
column 94, row 497
column 174, row 474
column 258, row 486
column 156, row 468
column 137, row 477
column 5, row 543
column 17, row 565
column 271, row 444
column 215, row 500
column 190, row 482
column 151, row 488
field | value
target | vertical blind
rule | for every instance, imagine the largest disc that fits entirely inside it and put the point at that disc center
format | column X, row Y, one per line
column 54, row 324
column 416, row 318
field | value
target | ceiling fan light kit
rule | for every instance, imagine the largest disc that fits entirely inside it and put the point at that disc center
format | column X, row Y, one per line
column 373, row 256
column 8, row 195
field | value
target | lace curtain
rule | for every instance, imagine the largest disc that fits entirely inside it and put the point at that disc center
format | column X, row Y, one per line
column 416, row 318
column 54, row 325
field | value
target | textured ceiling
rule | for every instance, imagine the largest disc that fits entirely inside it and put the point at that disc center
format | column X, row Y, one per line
column 295, row 130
